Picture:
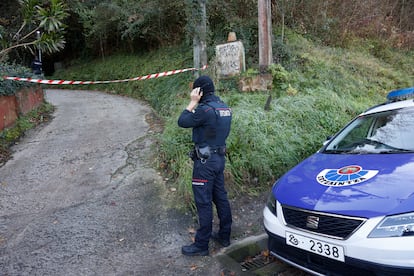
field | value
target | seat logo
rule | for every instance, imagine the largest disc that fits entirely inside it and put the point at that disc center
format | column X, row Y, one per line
column 312, row 222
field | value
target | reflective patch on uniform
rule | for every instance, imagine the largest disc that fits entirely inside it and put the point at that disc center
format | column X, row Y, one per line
column 224, row 112
column 199, row 182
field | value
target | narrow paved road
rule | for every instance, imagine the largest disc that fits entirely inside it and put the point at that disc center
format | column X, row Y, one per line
column 79, row 196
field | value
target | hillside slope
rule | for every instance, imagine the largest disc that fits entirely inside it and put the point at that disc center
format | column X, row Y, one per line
column 316, row 90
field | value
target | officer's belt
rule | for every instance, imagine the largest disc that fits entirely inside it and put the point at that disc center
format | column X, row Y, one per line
column 217, row 150
column 206, row 151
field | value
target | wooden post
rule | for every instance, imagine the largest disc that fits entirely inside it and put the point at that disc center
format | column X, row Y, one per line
column 199, row 39
column 265, row 35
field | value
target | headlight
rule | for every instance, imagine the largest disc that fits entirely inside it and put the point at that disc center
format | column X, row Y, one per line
column 394, row 226
column 271, row 203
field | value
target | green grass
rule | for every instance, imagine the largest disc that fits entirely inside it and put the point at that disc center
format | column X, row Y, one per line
column 25, row 122
column 316, row 92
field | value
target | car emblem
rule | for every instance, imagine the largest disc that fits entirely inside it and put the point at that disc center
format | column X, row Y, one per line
column 345, row 176
column 312, row 222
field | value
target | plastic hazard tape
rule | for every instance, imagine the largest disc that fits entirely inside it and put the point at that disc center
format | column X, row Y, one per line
column 150, row 76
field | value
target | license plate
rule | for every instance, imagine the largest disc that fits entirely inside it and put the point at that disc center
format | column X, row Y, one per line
column 325, row 249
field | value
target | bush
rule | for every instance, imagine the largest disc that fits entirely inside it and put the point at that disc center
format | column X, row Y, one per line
column 9, row 87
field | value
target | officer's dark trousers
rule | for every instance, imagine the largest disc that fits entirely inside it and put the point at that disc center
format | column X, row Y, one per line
column 208, row 187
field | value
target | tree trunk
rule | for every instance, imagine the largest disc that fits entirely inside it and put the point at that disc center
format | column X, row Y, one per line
column 265, row 35
column 199, row 39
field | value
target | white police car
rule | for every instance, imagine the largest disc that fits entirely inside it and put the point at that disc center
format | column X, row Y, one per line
column 349, row 208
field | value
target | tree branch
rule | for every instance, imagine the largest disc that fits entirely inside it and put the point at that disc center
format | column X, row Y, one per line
column 5, row 51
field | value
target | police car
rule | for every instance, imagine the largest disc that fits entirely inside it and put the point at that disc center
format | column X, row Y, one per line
column 349, row 208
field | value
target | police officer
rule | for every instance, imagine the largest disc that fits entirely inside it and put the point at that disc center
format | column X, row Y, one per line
column 210, row 120
column 36, row 66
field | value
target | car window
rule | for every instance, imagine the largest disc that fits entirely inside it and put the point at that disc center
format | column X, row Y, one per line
column 359, row 131
column 385, row 132
column 397, row 131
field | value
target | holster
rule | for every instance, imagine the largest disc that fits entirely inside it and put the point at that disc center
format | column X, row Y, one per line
column 203, row 152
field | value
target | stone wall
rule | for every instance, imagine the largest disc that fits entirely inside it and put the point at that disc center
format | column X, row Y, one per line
column 24, row 101
column 8, row 111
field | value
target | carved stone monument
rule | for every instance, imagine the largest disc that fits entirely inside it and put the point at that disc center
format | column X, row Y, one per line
column 230, row 58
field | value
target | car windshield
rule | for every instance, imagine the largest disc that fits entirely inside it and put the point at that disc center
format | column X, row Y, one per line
column 384, row 132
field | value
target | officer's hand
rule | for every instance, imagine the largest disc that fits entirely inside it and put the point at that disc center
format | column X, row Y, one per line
column 195, row 97
column 196, row 94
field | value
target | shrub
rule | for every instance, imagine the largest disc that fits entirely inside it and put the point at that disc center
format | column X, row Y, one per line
column 9, row 87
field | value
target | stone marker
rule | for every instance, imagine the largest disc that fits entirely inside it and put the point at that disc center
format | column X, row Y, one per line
column 230, row 59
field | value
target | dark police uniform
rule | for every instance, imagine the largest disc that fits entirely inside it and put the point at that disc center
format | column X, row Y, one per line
column 211, row 122
column 37, row 67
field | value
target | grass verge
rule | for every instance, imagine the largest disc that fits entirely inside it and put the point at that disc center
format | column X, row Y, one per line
column 316, row 91
column 11, row 135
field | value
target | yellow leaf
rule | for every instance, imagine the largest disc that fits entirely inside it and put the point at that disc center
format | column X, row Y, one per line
column 265, row 253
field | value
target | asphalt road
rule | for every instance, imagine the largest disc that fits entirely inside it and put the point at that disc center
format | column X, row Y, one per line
column 79, row 196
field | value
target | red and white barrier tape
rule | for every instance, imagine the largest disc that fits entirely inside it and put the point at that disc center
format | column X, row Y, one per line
column 151, row 76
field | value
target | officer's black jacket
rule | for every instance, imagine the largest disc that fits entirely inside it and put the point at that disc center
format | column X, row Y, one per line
column 210, row 121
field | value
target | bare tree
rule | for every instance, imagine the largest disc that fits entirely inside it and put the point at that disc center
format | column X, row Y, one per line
column 200, row 34
column 265, row 35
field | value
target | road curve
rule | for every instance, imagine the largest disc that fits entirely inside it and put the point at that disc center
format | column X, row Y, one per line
column 79, row 196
